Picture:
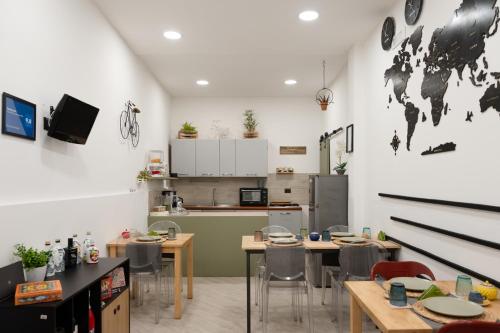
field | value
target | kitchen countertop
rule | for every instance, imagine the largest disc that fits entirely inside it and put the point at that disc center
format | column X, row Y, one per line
column 215, row 213
column 240, row 208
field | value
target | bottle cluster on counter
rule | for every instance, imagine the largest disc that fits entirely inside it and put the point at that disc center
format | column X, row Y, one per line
column 72, row 255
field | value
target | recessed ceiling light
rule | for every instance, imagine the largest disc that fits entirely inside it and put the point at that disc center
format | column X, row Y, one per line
column 290, row 82
column 172, row 35
column 202, row 82
column 308, row 15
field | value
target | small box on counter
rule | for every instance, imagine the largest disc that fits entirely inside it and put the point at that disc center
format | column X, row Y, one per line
column 106, row 288
column 119, row 282
column 38, row 292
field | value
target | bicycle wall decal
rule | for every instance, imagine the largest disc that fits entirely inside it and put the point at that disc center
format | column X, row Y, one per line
column 128, row 123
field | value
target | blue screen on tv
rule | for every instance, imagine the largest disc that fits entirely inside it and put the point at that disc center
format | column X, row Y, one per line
column 19, row 117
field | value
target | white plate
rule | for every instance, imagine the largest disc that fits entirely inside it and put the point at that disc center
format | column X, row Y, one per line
column 284, row 241
column 354, row 240
column 413, row 283
column 148, row 238
column 342, row 234
column 280, row 235
column 454, row 307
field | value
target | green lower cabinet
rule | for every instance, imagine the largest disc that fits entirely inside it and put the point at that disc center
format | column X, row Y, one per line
column 217, row 242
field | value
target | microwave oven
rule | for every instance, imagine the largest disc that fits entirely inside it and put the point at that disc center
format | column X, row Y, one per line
column 253, row 196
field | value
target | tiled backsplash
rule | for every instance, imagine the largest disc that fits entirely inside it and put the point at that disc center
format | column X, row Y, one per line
column 199, row 191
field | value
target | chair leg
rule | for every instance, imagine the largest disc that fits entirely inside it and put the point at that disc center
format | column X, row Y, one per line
column 300, row 301
column 265, row 307
column 340, row 307
column 335, row 302
column 323, row 284
column 158, row 296
column 256, row 284
column 309, row 292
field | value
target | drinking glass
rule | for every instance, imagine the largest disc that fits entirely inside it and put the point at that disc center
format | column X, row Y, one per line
column 463, row 286
column 325, row 236
column 304, row 233
column 172, row 233
column 397, row 294
column 367, row 233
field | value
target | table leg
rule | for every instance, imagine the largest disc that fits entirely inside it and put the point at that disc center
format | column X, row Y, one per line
column 356, row 317
column 178, row 284
column 249, row 315
column 190, row 270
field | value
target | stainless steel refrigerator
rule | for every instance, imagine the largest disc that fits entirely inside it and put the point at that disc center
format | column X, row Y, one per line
column 327, row 207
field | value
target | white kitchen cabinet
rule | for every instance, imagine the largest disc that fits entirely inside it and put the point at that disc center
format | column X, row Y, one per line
column 251, row 158
column 184, row 157
column 207, row 158
column 292, row 220
column 227, row 158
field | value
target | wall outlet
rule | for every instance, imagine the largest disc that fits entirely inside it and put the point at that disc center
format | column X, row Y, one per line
column 288, row 190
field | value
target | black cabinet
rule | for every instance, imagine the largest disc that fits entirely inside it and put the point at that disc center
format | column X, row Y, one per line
column 81, row 285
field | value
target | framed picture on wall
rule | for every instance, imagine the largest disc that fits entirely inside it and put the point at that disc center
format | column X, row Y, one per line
column 18, row 117
column 349, row 140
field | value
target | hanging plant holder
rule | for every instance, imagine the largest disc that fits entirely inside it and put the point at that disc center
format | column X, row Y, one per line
column 324, row 96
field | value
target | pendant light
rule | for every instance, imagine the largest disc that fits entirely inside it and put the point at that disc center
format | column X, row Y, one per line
column 324, row 96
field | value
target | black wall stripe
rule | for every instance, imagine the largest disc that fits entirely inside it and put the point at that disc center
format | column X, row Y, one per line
column 462, row 269
column 449, row 233
column 487, row 208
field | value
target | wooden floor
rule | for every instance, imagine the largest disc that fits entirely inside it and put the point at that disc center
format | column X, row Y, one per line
column 219, row 307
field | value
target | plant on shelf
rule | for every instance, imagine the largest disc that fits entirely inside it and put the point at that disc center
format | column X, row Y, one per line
column 34, row 262
column 143, row 176
column 188, row 131
column 250, row 124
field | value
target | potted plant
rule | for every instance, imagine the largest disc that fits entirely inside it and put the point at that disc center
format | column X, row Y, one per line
column 250, row 124
column 341, row 165
column 341, row 168
column 188, row 131
column 143, row 176
column 323, row 102
column 34, row 262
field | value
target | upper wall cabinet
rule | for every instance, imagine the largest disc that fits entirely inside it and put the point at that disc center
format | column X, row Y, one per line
column 184, row 157
column 207, row 158
column 227, row 158
column 251, row 158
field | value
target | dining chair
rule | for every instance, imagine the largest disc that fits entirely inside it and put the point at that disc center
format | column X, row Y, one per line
column 260, row 265
column 168, row 259
column 145, row 264
column 355, row 264
column 330, row 261
column 391, row 269
column 472, row 326
column 286, row 267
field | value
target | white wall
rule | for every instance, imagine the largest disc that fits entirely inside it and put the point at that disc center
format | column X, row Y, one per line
column 51, row 189
column 283, row 121
column 469, row 174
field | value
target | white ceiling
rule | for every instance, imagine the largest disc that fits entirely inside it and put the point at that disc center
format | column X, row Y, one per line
column 243, row 47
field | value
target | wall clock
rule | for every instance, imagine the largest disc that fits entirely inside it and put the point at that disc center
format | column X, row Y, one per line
column 388, row 31
column 413, row 8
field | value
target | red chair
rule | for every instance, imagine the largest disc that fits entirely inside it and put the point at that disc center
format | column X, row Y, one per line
column 392, row 269
column 471, row 327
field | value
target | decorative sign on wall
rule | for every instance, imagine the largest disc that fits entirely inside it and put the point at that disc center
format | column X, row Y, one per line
column 458, row 45
column 395, row 142
column 18, row 117
column 349, row 139
column 449, row 146
column 293, row 150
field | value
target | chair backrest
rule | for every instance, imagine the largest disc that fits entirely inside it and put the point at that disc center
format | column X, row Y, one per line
column 144, row 258
column 271, row 229
column 285, row 263
column 338, row 228
column 471, row 327
column 164, row 225
column 391, row 269
column 357, row 261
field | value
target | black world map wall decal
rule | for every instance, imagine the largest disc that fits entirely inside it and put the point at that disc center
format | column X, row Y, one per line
column 457, row 47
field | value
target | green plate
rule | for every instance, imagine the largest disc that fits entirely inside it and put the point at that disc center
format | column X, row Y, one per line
column 454, row 307
column 354, row 240
column 342, row 234
column 413, row 283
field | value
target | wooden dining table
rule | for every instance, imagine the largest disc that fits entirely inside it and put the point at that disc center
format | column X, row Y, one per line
column 368, row 297
column 183, row 241
column 316, row 247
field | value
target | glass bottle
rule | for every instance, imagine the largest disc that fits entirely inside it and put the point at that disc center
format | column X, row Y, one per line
column 76, row 243
column 58, row 256
column 87, row 242
column 50, row 263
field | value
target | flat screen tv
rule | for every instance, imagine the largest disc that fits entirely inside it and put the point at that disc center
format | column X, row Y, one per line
column 72, row 120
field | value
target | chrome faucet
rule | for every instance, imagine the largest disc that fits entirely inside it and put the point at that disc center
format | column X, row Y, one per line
column 213, row 196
